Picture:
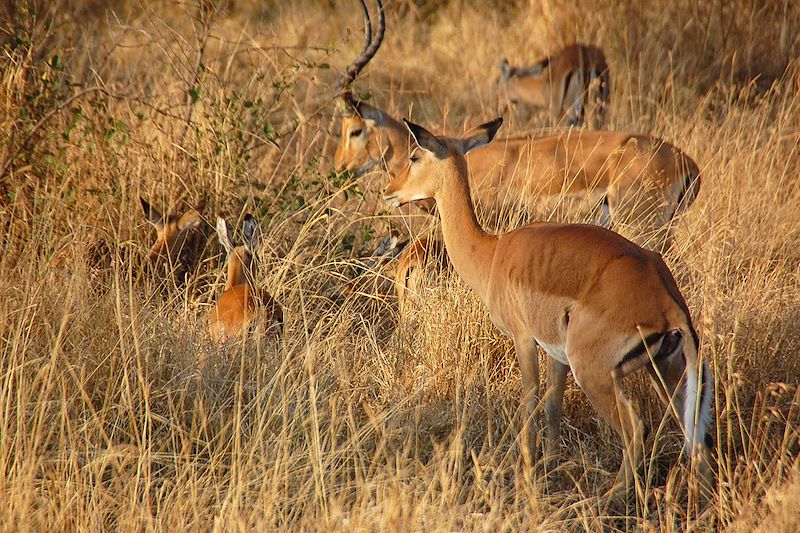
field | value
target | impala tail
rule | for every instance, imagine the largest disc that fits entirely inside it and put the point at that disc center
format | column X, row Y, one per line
column 671, row 359
column 698, row 391
column 691, row 184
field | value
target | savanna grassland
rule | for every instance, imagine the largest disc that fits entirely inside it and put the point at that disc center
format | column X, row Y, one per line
column 118, row 412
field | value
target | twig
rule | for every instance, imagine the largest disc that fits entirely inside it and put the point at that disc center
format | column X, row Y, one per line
column 14, row 153
column 207, row 20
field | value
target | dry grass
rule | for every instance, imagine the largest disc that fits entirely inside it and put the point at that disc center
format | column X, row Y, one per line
column 355, row 420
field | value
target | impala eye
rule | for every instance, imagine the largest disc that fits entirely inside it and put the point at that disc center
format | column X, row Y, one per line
column 356, row 133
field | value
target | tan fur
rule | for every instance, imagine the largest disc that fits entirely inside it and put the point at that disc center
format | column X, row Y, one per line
column 562, row 84
column 586, row 295
column 178, row 238
column 241, row 305
column 644, row 180
column 412, row 261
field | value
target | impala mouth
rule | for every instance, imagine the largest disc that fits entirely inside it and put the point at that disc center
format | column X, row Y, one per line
column 392, row 201
column 360, row 171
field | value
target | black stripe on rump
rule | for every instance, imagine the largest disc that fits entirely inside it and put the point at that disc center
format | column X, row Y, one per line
column 670, row 341
column 685, row 199
column 708, row 439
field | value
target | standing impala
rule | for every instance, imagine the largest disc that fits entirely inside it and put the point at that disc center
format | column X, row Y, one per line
column 242, row 304
column 642, row 181
column 593, row 301
column 561, row 83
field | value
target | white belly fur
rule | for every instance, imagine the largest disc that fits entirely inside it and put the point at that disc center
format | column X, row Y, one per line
column 556, row 351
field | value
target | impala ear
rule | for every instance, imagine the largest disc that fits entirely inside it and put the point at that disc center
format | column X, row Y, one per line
column 251, row 232
column 483, row 135
column 505, row 69
column 151, row 214
column 224, row 235
column 371, row 114
column 426, row 140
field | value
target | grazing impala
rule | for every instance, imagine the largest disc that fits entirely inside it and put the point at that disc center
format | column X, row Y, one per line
column 561, row 83
column 178, row 239
column 241, row 304
column 593, row 301
column 644, row 182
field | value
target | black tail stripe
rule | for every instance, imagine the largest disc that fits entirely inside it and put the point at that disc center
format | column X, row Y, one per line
column 683, row 196
column 638, row 350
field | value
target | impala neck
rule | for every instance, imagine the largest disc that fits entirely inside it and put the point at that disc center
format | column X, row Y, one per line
column 470, row 249
column 238, row 263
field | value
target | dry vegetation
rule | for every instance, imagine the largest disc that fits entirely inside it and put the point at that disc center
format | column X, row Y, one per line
column 356, row 420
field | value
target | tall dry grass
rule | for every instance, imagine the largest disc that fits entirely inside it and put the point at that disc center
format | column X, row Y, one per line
column 356, row 419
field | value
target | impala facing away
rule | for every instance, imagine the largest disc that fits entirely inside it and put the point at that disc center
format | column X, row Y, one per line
column 242, row 304
column 595, row 302
column 561, row 83
column 178, row 239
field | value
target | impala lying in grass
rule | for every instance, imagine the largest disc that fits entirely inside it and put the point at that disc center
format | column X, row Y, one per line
column 242, row 305
column 595, row 302
column 563, row 84
column 179, row 239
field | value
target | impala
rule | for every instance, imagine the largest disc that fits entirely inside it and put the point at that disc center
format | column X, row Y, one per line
column 595, row 302
column 178, row 238
column 642, row 181
column 561, row 84
column 411, row 263
column 242, row 304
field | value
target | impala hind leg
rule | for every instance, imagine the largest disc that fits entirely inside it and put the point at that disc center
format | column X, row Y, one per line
column 606, row 395
column 556, row 385
column 528, row 357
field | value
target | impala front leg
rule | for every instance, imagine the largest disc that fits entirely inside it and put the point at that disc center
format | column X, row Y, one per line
column 528, row 358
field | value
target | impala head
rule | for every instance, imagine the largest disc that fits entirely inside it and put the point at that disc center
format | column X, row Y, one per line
column 173, row 234
column 358, row 150
column 359, row 147
column 523, row 84
column 241, row 256
column 434, row 159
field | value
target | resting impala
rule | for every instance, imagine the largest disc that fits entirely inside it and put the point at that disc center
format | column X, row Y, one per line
column 593, row 301
column 177, row 239
column 643, row 181
column 561, row 84
column 241, row 304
